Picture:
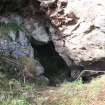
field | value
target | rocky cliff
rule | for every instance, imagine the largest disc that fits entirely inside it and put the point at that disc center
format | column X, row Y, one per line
column 81, row 37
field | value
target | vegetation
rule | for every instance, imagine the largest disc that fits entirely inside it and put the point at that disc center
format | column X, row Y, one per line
column 10, row 26
column 6, row 28
column 15, row 92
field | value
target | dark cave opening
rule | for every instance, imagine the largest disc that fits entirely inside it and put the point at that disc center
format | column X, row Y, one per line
column 56, row 70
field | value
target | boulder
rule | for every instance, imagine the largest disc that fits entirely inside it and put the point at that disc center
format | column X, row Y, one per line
column 86, row 42
column 81, row 33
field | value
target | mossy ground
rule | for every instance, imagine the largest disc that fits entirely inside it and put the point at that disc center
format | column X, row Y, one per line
column 15, row 92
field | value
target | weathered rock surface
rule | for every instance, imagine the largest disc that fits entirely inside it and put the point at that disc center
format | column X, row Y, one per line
column 81, row 36
column 37, row 30
column 16, row 44
column 87, row 41
column 76, row 27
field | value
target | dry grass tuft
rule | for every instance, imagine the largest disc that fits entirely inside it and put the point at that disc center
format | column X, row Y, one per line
column 75, row 93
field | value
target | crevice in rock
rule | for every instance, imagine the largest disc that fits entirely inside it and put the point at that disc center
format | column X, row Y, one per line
column 56, row 70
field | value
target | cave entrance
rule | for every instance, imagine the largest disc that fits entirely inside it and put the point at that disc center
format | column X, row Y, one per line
column 56, row 70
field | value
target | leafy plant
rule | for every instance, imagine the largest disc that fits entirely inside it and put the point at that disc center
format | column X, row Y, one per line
column 7, row 27
column 10, row 26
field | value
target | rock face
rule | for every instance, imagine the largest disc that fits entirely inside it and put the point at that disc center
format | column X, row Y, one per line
column 75, row 27
column 15, row 43
column 87, row 40
column 81, row 38
column 37, row 30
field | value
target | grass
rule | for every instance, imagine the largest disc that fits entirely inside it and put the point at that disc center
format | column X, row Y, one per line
column 14, row 92
column 15, row 101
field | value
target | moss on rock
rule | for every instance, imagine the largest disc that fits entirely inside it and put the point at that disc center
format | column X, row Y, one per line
column 32, row 68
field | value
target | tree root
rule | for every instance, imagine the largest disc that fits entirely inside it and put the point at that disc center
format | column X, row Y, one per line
column 98, row 71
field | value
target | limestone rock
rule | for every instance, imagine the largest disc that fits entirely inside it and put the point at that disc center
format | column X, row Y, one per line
column 15, row 44
column 87, row 41
column 37, row 30
column 47, row 2
column 82, row 37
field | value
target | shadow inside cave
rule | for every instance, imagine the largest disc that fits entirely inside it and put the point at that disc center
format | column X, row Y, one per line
column 56, row 70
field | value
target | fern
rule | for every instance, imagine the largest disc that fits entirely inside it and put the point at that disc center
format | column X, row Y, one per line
column 6, row 28
column 11, row 26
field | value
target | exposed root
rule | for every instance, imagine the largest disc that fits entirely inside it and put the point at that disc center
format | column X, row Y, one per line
column 98, row 71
